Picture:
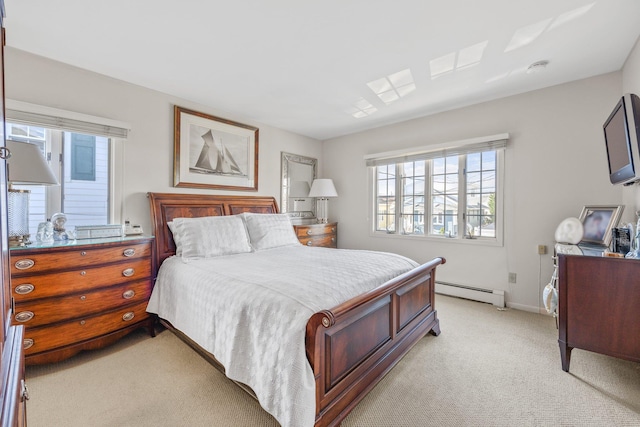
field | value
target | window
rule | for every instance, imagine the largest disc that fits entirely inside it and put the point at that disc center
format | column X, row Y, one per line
column 448, row 193
column 81, row 165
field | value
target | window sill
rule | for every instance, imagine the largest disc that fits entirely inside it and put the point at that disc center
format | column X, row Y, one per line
column 495, row 242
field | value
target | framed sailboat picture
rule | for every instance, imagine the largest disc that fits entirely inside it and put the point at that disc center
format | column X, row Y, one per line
column 211, row 152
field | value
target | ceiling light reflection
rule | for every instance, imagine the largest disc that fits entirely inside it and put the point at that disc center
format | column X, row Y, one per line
column 361, row 108
column 466, row 58
column 472, row 55
column 570, row 16
column 442, row 65
column 394, row 86
column 526, row 35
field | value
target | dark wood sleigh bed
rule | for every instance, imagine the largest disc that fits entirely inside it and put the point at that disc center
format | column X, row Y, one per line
column 350, row 347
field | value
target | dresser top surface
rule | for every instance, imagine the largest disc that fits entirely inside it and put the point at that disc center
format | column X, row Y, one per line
column 81, row 242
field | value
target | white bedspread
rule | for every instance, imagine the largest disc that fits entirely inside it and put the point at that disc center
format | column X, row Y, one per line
column 250, row 311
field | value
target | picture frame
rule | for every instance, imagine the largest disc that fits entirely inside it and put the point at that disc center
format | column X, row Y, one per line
column 598, row 223
column 212, row 152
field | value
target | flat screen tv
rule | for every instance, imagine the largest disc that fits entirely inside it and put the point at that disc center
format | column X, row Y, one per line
column 621, row 135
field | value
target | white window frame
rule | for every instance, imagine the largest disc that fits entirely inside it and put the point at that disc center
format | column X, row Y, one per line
column 457, row 147
column 55, row 118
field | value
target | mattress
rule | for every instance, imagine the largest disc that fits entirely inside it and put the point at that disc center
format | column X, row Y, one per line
column 250, row 311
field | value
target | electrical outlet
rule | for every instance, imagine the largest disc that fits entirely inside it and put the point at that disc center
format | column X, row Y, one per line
column 512, row 277
column 542, row 249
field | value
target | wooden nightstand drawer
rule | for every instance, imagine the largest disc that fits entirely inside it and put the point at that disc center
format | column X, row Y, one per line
column 53, row 284
column 325, row 235
column 45, row 338
column 29, row 262
column 54, row 310
column 327, row 241
column 315, row 229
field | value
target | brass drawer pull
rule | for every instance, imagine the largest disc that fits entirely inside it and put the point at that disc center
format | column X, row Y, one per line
column 83, row 322
column 309, row 232
column 128, row 272
column 24, row 316
column 129, row 252
column 333, row 229
column 27, row 343
column 83, row 273
column 83, row 297
column 24, row 289
column 333, row 240
column 128, row 294
column 128, row 316
column 309, row 243
column 83, row 253
column 24, row 264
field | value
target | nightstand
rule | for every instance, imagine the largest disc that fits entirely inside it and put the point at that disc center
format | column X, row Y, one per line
column 79, row 295
column 324, row 235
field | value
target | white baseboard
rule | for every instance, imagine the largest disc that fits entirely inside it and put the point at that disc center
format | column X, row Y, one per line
column 530, row 308
column 494, row 297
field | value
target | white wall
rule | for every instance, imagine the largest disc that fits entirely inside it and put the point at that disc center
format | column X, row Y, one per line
column 148, row 163
column 631, row 84
column 555, row 163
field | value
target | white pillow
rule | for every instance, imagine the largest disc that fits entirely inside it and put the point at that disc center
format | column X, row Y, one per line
column 268, row 231
column 209, row 236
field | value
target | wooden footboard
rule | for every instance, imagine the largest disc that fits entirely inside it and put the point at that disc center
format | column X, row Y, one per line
column 353, row 346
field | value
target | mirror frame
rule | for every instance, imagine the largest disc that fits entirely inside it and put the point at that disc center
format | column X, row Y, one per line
column 286, row 162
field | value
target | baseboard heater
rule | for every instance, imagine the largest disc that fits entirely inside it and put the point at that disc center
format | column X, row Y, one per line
column 494, row 297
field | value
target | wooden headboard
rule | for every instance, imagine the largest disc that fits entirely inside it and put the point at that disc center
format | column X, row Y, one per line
column 167, row 206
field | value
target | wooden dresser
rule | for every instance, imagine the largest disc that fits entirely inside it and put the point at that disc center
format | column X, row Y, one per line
column 598, row 306
column 80, row 295
column 325, row 235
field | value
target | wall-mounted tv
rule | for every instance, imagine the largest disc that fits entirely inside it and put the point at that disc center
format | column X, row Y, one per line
column 622, row 135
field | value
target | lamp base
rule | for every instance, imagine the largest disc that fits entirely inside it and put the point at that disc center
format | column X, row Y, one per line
column 19, row 241
column 18, row 217
column 322, row 216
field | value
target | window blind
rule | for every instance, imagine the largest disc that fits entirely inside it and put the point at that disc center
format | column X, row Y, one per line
column 54, row 118
column 466, row 146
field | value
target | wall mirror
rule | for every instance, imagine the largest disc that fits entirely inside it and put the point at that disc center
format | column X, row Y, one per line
column 298, row 173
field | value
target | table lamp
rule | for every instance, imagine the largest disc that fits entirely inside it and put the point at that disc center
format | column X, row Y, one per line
column 322, row 189
column 25, row 166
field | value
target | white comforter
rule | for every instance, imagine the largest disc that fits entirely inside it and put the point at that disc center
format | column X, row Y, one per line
column 250, row 311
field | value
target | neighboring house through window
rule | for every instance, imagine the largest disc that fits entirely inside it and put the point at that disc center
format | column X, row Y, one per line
column 448, row 191
column 81, row 150
column 81, row 165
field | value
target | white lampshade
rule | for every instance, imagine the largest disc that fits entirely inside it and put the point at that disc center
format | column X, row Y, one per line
column 27, row 165
column 323, row 188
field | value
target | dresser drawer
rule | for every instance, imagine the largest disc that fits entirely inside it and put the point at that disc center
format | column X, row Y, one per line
column 327, row 241
column 50, row 337
column 49, row 285
column 54, row 310
column 24, row 262
column 315, row 230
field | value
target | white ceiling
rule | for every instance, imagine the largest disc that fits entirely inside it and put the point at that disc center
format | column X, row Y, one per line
column 305, row 65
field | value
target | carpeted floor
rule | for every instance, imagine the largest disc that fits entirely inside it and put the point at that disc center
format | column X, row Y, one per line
column 487, row 368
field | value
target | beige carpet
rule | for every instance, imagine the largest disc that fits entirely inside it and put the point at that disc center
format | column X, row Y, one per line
column 487, row 368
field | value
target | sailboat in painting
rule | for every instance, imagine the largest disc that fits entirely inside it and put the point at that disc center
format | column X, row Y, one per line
column 215, row 158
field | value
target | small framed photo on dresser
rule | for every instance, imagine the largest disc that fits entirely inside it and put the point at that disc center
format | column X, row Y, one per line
column 598, row 223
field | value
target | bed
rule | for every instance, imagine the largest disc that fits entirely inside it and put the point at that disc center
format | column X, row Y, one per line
column 349, row 347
